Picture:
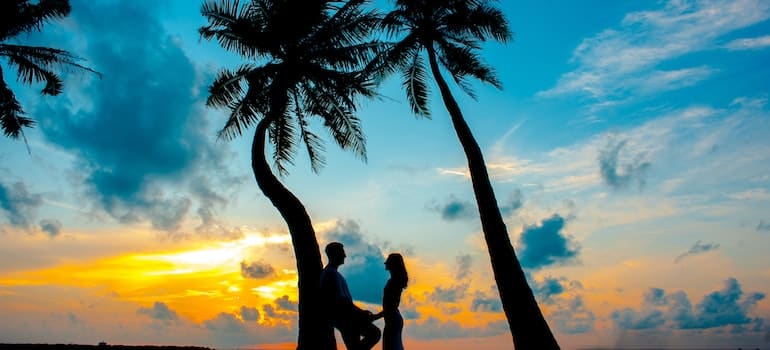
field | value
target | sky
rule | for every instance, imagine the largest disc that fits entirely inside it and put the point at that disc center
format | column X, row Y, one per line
column 628, row 151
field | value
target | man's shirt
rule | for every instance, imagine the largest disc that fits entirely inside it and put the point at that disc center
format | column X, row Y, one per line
column 336, row 295
column 332, row 281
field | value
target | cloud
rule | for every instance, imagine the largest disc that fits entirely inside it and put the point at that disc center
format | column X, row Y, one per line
column 728, row 306
column 625, row 61
column 410, row 313
column 616, row 174
column 697, row 248
column 273, row 312
column 73, row 319
column 434, row 328
column 484, row 303
column 249, row 313
column 754, row 194
column 513, row 203
column 18, row 204
column 226, row 323
column 140, row 133
column 630, row 319
column 283, row 303
column 209, row 200
column 544, row 245
column 572, row 317
column 455, row 209
column 656, row 297
column 51, row 227
column 451, row 294
column 749, row 43
column 159, row 311
column 650, row 317
column 364, row 268
column 256, row 270
column 464, row 263
column 232, row 332
column 546, row 289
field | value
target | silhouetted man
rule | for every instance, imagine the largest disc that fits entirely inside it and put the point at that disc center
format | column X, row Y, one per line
column 354, row 324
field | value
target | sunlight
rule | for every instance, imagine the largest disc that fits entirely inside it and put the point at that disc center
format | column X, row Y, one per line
column 225, row 256
column 209, row 257
column 266, row 292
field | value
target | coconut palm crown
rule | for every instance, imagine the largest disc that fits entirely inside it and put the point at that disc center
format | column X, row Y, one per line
column 33, row 64
column 450, row 33
column 305, row 63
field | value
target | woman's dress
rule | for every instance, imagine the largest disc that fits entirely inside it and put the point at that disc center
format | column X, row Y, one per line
column 394, row 323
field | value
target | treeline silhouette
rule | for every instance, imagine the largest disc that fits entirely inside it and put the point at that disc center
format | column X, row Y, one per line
column 101, row 346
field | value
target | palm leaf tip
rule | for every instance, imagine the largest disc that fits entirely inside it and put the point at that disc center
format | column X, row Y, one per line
column 415, row 84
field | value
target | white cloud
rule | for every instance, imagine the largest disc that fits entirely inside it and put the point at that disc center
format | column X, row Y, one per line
column 749, row 43
column 754, row 194
column 622, row 61
column 699, row 148
column 659, row 81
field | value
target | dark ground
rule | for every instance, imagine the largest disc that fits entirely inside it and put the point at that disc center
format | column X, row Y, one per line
column 95, row 347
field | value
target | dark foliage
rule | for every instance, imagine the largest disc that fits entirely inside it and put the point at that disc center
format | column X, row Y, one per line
column 33, row 64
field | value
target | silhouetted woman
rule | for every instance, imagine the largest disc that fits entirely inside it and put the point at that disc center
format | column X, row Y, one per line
column 394, row 323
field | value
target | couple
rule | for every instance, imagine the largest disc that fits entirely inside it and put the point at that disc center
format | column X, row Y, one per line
column 355, row 324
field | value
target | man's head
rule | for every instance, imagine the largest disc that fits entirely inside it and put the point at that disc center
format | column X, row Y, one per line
column 336, row 253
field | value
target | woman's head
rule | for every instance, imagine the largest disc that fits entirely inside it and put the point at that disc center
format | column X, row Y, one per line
column 395, row 264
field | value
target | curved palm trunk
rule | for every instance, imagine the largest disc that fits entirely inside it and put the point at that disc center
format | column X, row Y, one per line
column 314, row 331
column 528, row 327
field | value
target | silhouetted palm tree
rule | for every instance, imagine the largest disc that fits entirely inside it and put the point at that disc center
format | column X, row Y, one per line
column 450, row 32
column 34, row 64
column 305, row 62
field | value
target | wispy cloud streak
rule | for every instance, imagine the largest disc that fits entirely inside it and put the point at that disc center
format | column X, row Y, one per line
column 625, row 61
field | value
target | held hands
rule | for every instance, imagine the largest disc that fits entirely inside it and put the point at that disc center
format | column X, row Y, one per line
column 376, row 316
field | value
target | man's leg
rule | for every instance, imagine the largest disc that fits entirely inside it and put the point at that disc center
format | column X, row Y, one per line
column 351, row 336
column 371, row 335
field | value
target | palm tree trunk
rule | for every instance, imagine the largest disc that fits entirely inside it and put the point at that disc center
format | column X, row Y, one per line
column 528, row 327
column 314, row 331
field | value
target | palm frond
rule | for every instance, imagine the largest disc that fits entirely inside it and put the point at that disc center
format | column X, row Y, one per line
column 480, row 21
column 18, row 17
column 29, row 72
column 12, row 118
column 242, row 116
column 45, row 57
column 350, row 24
column 415, row 83
column 463, row 61
column 393, row 57
column 345, row 129
column 282, row 136
column 245, row 107
column 352, row 57
column 395, row 23
column 228, row 86
column 337, row 111
column 313, row 144
column 234, row 27
column 222, row 13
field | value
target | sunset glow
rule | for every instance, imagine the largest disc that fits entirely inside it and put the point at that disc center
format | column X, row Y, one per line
column 628, row 152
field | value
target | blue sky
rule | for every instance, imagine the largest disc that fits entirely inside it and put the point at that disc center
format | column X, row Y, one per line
column 628, row 151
